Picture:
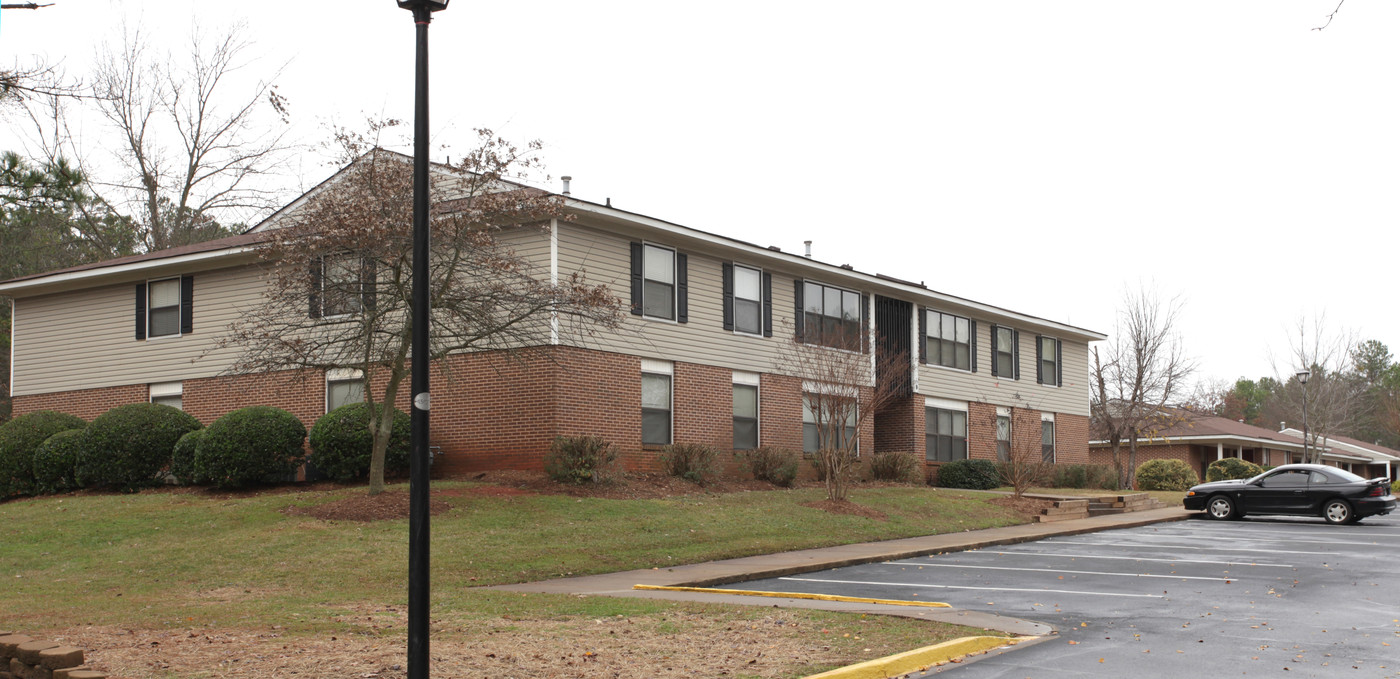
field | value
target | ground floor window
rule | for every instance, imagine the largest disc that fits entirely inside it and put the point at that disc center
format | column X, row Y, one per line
column 1047, row 438
column 656, row 402
column 168, row 394
column 342, row 387
column 745, row 411
column 1004, row 434
column 945, row 434
column 834, row 413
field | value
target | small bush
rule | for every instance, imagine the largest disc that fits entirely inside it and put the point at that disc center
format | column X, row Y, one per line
column 1097, row 476
column 777, row 466
column 895, row 466
column 54, row 461
column 580, row 459
column 182, row 465
column 970, row 474
column 1395, row 488
column 341, row 444
column 127, row 446
column 691, row 461
column 1165, row 475
column 1232, row 468
column 19, row 438
column 249, row 445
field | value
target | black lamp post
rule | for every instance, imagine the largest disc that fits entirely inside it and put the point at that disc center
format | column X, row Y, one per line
column 418, row 544
column 1303, row 376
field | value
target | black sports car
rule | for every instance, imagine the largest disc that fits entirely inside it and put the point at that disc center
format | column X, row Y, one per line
column 1302, row 489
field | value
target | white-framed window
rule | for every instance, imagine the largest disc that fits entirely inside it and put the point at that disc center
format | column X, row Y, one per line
column 342, row 285
column 1047, row 437
column 658, row 282
column 745, row 410
column 1004, row 352
column 945, row 430
column 748, row 300
column 949, row 340
column 168, row 394
column 1004, row 434
column 344, row 386
column 821, row 410
column 163, row 307
column 656, row 402
column 1047, row 354
column 831, row 316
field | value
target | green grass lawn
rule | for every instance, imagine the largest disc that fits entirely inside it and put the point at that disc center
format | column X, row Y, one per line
column 171, row 559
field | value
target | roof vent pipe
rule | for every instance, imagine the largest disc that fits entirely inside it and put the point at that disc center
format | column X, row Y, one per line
column 1282, row 426
column 809, row 248
column 566, row 179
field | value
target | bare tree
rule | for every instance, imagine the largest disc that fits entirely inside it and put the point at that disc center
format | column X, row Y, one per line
column 1334, row 398
column 1142, row 370
column 840, row 396
column 339, row 274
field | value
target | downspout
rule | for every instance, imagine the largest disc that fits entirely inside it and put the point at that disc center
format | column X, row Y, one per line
column 554, row 274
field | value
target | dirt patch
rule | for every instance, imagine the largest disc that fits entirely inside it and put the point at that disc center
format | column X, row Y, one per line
column 365, row 507
column 626, row 487
column 687, row 645
column 847, row 507
column 1025, row 506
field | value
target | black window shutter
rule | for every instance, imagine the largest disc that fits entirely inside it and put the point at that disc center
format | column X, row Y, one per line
column 864, row 321
column 797, row 297
column 682, row 290
column 1039, row 371
column 636, row 279
column 996, row 348
column 767, row 305
column 140, row 311
column 1059, row 365
column 314, row 296
column 727, row 285
column 1015, row 354
column 972, row 342
column 369, row 283
column 186, row 305
column 923, row 335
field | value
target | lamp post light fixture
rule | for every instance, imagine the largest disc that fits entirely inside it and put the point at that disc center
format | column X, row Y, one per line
column 1303, row 376
column 418, row 543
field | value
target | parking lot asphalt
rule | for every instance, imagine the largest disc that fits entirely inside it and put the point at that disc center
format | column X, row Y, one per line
column 1261, row 597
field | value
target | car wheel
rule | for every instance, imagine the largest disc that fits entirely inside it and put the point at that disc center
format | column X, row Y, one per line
column 1338, row 511
column 1220, row 507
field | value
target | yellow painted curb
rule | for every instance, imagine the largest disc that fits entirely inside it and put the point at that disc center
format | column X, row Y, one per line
column 919, row 659
column 796, row 595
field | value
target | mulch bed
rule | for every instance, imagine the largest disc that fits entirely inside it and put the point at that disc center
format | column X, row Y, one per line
column 365, row 507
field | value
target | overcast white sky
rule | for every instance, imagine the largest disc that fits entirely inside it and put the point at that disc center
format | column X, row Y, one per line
column 1040, row 156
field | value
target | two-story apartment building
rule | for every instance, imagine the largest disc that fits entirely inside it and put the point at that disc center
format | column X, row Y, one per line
column 699, row 359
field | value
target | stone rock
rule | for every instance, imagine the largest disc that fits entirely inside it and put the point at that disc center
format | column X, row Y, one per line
column 60, row 657
column 67, row 672
column 9, row 643
column 28, row 652
column 86, row 674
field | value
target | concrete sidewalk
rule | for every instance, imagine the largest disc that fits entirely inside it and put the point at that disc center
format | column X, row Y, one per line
column 715, row 573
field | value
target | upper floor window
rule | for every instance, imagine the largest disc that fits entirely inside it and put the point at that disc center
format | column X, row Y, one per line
column 342, row 285
column 1006, row 345
column 658, row 282
column 949, row 340
column 945, row 434
column 164, row 307
column 830, row 316
column 1049, row 369
column 748, row 300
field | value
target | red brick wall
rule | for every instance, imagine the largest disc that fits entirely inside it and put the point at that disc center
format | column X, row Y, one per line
column 900, row 427
column 1071, row 439
column 84, row 403
column 982, row 431
column 780, row 412
column 300, row 392
column 1187, row 453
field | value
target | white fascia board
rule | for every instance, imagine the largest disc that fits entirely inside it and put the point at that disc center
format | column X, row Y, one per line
column 833, row 273
column 85, row 277
column 1375, row 455
column 1234, row 440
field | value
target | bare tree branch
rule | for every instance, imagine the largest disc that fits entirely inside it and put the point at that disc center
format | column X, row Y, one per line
column 1331, row 16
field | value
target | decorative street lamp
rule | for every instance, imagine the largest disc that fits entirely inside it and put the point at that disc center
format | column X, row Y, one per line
column 418, row 544
column 1303, row 376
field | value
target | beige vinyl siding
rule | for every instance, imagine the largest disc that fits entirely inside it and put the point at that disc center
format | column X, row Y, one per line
column 1071, row 398
column 87, row 339
column 607, row 259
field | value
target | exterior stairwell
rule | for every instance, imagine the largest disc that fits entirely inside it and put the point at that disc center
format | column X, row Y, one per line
column 1080, row 508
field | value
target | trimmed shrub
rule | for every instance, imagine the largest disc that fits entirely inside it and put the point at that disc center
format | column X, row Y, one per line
column 127, row 446
column 1098, row 476
column 580, row 459
column 250, row 445
column 182, row 458
column 54, row 461
column 1232, row 468
column 1165, row 475
column 895, row 466
column 970, row 474
column 1395, row 488
column 341, row 444
column 690, row 461
column 19, row 438
column 777, row 466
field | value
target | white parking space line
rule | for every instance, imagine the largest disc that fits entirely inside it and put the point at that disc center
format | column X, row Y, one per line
column 1056, row 570
column 987, row 589
column 1158, row 536
column 1249, row 529
column 1213, row 549
column 1134, row 558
